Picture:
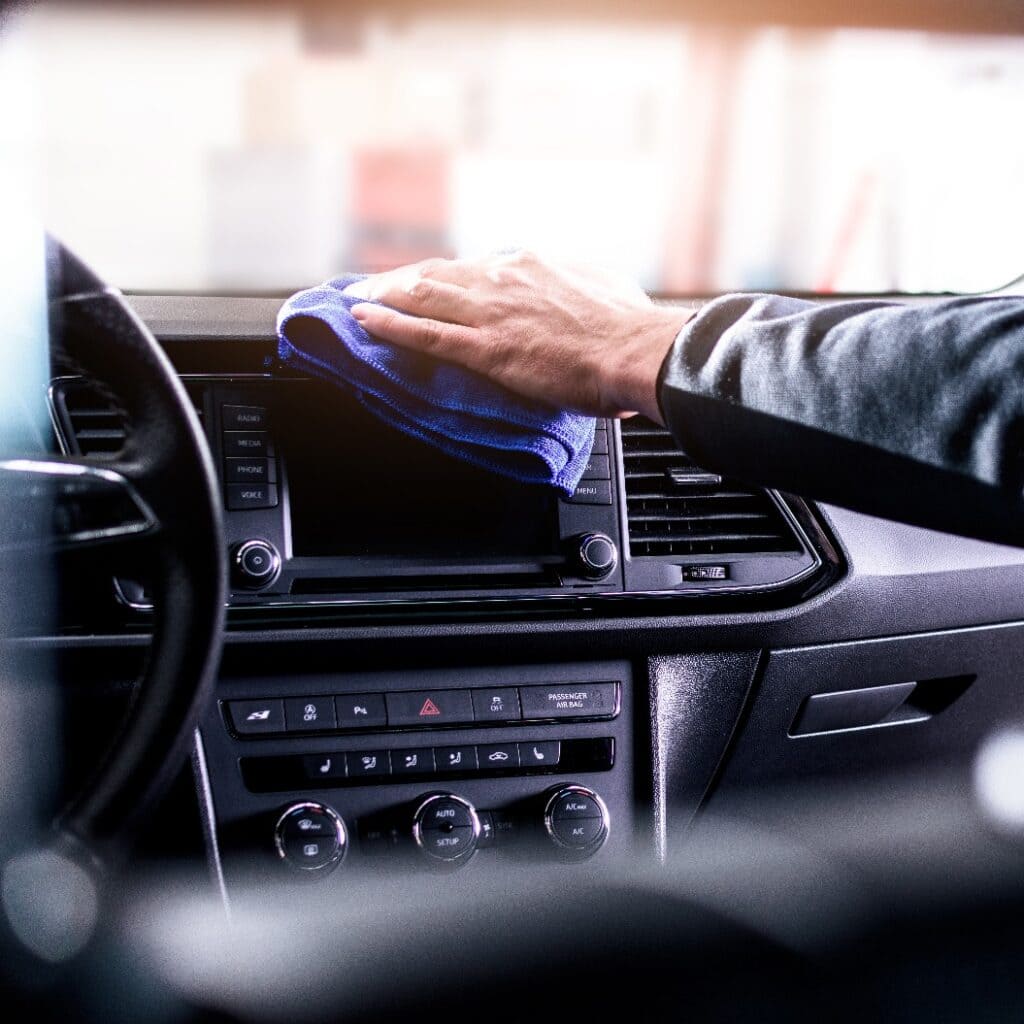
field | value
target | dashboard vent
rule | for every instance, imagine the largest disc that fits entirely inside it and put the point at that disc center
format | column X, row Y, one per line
column 675, row 508
column 90, row 423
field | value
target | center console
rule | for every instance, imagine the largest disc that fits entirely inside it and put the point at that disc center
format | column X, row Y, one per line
column 429, row 768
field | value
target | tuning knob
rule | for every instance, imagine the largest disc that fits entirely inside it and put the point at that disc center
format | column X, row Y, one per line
column 255, row 564
column 596, row 555
column 446, row 828
column 311, row 836
column 576, row 820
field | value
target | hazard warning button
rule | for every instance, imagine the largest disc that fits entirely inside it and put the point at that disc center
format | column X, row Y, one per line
column 429, row 707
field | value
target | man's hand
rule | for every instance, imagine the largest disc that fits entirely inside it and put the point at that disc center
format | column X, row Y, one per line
column 570, row 337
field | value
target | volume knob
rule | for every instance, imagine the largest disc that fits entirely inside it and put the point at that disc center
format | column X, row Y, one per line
column 596, row 555
column 255, row 564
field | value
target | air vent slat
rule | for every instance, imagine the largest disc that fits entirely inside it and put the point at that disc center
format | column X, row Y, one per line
column 90, row 422
column 676, row 509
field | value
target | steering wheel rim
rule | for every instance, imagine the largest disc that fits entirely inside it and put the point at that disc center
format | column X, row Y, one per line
column 166, row 463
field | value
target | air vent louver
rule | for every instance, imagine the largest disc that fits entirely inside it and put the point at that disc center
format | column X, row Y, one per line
column 677, row 509
column 90, row 422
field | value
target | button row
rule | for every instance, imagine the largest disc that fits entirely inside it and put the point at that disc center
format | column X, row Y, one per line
column 419, row 761
column 340, row 768
column 250, row 477
column 431, row 708
column 595, row 486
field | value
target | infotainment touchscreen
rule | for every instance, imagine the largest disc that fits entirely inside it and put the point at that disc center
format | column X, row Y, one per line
column 361, row 488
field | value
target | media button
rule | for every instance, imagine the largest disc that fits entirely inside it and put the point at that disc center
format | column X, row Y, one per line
column 499, row 705
column 600, row 441
column 455, row 759
column 429, row 707
column 252, row 717
column 246, row 443
column 570, row 700
column 360, row 710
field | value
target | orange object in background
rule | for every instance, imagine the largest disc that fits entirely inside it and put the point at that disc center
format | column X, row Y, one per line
column 400, row 206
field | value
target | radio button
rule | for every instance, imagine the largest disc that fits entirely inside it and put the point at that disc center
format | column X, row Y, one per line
column 600, row 441
column 570, row 700
column 244, row 417
column 500, row 705
column 429, row 707
column 591, row 492
column 360, row 711
column 253, row 717
column 309, row 714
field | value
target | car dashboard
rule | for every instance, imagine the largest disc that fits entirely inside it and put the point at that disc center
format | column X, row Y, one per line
column 430, row 666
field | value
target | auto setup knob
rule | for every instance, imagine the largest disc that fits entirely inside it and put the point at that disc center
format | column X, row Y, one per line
column 255, row 564
column 596, row 555
column 446, row 829
column 576, row 820
column 311, row 836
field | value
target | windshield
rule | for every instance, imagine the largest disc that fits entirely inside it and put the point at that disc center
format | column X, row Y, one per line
column 208, row 149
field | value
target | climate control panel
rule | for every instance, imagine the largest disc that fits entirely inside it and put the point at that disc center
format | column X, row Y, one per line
column 342, row 770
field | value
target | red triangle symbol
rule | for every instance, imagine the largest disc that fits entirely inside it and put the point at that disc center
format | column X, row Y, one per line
column 429, row 708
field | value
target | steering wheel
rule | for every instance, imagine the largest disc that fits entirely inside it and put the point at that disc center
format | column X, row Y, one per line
column 156, row 502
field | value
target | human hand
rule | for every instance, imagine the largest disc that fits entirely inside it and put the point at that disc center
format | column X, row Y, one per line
column 570, row 337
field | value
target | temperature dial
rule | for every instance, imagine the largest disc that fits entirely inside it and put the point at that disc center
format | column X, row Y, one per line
column 311, row 837
column 446, row 828
column 576, row 820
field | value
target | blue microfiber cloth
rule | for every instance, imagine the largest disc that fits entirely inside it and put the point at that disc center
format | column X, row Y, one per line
column 458, row 411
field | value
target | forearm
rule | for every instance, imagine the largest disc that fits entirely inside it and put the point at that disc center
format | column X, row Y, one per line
column 909, row 411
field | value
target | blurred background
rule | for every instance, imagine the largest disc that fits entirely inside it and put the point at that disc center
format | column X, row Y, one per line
column 263, row 148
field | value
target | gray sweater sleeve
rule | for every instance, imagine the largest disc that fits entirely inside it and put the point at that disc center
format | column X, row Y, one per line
column 912, row 412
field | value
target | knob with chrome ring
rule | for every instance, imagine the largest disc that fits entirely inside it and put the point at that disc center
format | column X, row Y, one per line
column 311, row 836
column 445, row 828
column 576, row 820
column 255, row 564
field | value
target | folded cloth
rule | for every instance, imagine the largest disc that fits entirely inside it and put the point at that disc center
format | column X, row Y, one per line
column 458, row 411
